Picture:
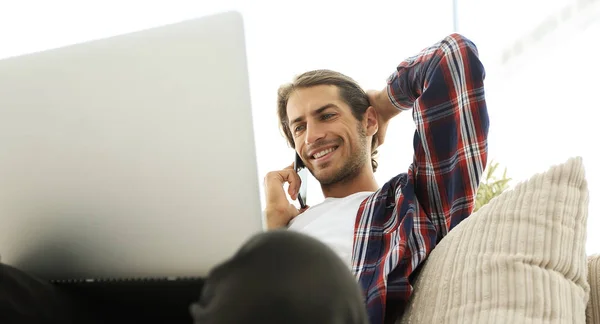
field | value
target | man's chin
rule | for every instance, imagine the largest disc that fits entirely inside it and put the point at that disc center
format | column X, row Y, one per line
column 327, row 177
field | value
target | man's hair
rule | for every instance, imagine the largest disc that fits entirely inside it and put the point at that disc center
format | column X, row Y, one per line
column 350, row 92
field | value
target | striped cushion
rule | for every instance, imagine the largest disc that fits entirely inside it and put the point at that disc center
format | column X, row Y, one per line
column 593, row 308
column 519, row 259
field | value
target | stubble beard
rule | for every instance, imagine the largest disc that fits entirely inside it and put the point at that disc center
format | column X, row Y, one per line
column 353, row 165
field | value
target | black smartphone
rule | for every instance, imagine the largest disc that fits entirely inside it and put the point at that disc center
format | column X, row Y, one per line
column 300, row 169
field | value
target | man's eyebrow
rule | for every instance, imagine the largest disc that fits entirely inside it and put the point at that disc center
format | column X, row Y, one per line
column 315, row 112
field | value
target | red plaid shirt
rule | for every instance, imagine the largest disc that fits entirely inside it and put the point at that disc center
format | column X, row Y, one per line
column 398, row 226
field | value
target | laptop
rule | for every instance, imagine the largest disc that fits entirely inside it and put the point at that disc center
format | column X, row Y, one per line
column 131, row 156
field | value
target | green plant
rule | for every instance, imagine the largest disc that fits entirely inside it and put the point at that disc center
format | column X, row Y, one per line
column 491, row 185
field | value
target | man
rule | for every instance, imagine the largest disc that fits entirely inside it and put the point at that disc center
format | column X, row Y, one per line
column 385, row 233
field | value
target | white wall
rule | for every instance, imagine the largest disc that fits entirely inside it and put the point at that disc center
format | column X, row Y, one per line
column 543, row 102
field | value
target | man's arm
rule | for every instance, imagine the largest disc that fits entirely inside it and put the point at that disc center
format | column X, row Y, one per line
column 444, row 85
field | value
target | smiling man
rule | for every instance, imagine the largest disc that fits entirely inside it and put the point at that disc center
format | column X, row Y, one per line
column 384, row 233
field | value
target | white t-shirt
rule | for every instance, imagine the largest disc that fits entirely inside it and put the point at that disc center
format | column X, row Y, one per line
column 332, row 222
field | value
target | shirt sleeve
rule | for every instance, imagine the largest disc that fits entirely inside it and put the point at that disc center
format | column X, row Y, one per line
column 444, row 85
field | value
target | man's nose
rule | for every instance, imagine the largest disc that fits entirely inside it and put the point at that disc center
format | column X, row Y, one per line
column 313, row 133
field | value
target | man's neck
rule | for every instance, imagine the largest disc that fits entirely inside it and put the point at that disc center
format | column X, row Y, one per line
column 364, row 181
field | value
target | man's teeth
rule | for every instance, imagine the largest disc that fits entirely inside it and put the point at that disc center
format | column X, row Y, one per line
column 322, row 153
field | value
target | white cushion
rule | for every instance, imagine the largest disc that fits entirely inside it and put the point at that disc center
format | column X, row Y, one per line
column 519, row 259
column 593, row 308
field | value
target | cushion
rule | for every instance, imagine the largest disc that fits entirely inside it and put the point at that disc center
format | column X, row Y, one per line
column 593, row 308
column 519, row 259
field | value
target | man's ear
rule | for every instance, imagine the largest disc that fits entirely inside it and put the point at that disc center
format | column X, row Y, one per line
column 371, row 121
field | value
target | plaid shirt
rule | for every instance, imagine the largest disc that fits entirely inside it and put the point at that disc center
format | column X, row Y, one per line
column 398, row 226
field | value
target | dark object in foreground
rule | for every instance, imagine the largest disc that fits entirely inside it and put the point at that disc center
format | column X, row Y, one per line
column 276, row 277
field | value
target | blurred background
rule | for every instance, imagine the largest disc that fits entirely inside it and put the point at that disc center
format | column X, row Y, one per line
column 541, row 59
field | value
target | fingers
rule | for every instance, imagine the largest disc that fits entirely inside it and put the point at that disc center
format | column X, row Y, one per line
column 278, row 210
column 380, row 135
column 279, row 178
column 275, row 180
column 293, row 179
column 294, row 182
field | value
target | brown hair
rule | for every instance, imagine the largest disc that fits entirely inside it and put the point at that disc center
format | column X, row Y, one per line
column 350, row 92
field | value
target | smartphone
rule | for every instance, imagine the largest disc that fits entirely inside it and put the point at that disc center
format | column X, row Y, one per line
column 301, row 170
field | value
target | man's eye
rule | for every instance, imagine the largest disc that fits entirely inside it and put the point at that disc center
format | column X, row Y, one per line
column 326, row 116
column 299, row 128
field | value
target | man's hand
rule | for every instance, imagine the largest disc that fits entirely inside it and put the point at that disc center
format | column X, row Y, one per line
column 385, row 112
column 278, row 209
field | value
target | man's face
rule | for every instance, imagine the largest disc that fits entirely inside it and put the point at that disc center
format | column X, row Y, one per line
column 330, row 140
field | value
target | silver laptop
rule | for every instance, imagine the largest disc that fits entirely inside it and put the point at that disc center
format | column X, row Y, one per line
column 131, row 156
